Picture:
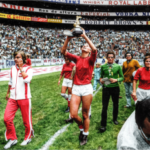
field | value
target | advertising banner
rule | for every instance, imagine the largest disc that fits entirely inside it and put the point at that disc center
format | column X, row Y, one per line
column 4, row 75
column 105, row 2
column 116, row 2
column 75, row 13
column 99, row 22
column 55, row 20
column 42, row 20
column 3, row 15
column 17, row 17
column 2, row 64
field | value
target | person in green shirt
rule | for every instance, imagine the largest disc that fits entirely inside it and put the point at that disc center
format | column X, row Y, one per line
column 111, row 74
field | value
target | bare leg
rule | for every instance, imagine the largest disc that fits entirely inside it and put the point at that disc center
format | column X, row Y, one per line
column 74, row 106
column 86, row 102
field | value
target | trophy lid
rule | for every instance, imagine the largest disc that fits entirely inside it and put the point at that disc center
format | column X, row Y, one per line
column 67, row 33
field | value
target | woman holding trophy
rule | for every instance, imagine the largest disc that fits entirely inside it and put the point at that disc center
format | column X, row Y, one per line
column 82, row 89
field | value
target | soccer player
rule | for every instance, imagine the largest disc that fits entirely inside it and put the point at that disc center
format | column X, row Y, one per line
column 82, row 88
column 28, row 60
column 20, row 97
column 67, row 82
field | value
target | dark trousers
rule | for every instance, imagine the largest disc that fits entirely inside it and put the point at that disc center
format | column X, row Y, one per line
column 106, row 93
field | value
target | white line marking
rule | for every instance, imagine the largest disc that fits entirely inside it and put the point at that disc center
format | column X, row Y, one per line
column 52, row 139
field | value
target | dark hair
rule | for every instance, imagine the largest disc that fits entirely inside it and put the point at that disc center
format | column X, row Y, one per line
column 66, row 58
column 147, row 54
column 22, row 54
column 146, row 58
column 128, row 53
column 110, row 52
column 142, row 111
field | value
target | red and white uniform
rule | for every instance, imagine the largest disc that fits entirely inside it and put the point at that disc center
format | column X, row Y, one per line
column 66, row 71
column 83, row 75
column 28, row 61
column 20, row 97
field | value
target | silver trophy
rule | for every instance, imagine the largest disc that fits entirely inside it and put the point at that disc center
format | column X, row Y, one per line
column 76, row 31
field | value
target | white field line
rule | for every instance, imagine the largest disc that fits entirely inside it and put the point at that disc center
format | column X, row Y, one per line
column 52, row 139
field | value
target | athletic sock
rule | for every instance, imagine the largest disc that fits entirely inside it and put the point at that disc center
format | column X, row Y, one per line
column 81, row 127
column 70, row 116
column 64, row 96
column 68, row 103
column 69, row 98
column 85, row 133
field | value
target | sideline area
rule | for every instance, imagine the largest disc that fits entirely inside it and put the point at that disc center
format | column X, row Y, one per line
column 4, row 75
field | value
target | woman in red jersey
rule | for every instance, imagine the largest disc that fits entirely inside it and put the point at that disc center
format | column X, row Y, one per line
column 67, row 82
column 82, row 88
column 143, row 75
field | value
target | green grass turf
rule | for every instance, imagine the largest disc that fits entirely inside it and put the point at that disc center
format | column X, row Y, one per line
column 48, row 117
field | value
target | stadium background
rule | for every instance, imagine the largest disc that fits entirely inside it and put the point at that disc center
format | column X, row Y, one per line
column 20, row 25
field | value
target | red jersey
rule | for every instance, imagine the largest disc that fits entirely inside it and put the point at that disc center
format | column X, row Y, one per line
column 143, row 76
column 28, row 62
column 67, row 70
column 84, row 68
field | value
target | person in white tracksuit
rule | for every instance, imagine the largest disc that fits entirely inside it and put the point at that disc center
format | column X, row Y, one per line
column 20, row 97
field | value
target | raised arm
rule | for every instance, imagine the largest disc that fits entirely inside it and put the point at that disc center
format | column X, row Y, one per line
column 64, row 48
column 88, row 41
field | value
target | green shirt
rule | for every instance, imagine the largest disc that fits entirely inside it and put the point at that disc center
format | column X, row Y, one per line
column 114, row 72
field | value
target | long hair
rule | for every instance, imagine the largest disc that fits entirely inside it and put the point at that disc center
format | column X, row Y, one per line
column 22, row 54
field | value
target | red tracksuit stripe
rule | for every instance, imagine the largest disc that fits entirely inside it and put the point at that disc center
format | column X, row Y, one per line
column 26, row 90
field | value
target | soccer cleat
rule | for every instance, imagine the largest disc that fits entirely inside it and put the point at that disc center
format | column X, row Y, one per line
column 25, row 142
column 10, row 143
column 70, row 120
column 84, row 140
column 67, row 110
column 80, row 135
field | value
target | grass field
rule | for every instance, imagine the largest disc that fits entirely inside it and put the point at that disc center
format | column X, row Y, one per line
column 48, row 117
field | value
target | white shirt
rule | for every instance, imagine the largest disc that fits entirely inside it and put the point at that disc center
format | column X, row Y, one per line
column 20, row 87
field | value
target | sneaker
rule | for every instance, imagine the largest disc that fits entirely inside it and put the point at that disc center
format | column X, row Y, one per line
column 70, row 120
column 25, row 142
column 10, row 143
column 84, row 140
column 80, row 135
column 67, row 110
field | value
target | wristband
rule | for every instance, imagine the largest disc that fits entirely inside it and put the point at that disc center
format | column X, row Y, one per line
column 21, row 71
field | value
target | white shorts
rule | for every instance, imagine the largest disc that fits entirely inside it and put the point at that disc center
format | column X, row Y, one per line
column 67, row 83
column 82, row 90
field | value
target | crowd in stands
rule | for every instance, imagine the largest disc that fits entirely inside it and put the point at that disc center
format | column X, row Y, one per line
column 47, row 43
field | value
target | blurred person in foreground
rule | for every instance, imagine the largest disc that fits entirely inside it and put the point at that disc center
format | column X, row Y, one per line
column 111, row 74
column 28, row 60
column 20, row 97
column 129, row 66
column 67, row 82
column 82, row 89
column 135, row 133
